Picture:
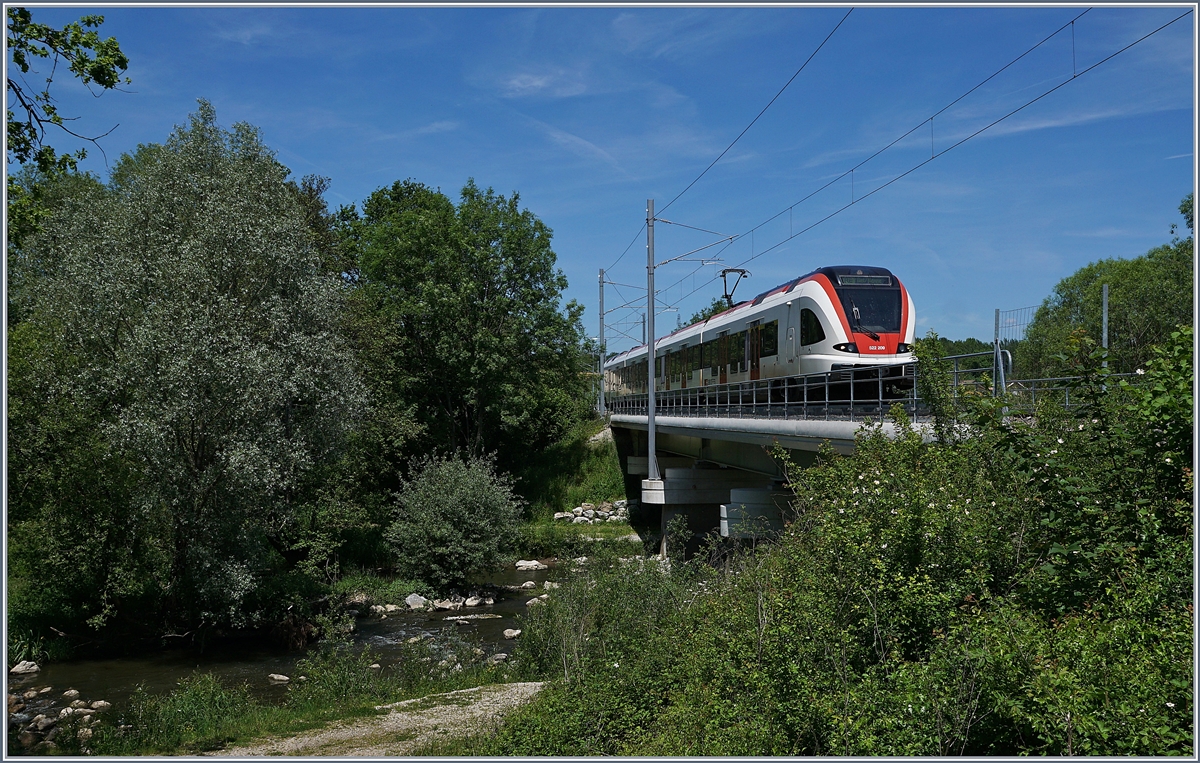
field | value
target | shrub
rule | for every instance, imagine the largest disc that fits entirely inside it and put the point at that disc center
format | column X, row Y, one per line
column 454, row 517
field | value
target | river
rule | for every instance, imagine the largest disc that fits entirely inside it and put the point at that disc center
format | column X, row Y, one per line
column 235, row 663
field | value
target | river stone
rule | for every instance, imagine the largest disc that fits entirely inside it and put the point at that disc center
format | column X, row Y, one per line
column 500, row 657
column 589, row 513
column 529, row 584
column 374, row 666
column 416, row 601
column 586, row 506
column 46, row 690
column 511, row 633
column 530, row 564
column 562, row 515
column 84, row 734
column 27, row 738
column 101, row 705
column 43, row 723
column 390, row 608
column 27, row 695
column 450, row 604
column 579, row 520
column 71, row 694
column 78, row 704
column 278, row 678
column 24, row 667
column 577, row 511
column 473, row 601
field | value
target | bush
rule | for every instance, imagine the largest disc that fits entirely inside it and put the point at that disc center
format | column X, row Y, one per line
column 454, row 517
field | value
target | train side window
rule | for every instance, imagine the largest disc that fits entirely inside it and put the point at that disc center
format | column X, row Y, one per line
column 770, row 339
column 810, row 328
column 737, row 351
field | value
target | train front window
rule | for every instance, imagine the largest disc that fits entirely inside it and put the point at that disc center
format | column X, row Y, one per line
column 872, row 309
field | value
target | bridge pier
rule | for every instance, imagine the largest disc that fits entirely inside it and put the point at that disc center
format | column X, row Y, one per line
column 696, row 493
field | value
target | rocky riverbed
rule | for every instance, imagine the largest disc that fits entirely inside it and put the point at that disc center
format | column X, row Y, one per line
column 41, row 716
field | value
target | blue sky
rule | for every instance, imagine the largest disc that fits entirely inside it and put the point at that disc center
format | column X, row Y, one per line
column 588, row 112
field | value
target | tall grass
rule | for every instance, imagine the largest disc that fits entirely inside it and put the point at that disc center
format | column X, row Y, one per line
column 571, row 472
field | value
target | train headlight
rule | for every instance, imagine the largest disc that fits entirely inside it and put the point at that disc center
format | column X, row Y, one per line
column 846, row 347
column 902, row 347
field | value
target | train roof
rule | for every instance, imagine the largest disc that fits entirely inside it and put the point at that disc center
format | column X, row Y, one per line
column 832, row 272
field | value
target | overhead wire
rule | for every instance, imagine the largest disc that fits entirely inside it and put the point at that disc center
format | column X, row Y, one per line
column 739, row 137
column 1075, row 75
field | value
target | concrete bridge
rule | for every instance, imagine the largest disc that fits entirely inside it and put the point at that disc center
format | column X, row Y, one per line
column 714, row 444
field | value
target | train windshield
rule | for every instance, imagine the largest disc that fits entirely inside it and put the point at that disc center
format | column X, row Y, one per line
column 876, row 310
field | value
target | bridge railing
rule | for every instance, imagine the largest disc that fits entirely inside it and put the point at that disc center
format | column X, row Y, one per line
column 844, row 394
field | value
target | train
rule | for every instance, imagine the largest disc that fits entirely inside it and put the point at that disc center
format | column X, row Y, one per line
column 834, row 319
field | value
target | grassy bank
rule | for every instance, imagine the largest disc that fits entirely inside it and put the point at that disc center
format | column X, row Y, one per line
column 203, row 715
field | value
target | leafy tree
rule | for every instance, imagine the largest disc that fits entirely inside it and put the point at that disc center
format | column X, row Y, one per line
column 453, row 517
column 189, row 325
column 1148, row 297
column 90, row 59
column 716, row 307
column 463, row 309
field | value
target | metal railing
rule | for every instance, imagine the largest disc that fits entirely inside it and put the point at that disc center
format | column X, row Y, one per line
column 851, row 394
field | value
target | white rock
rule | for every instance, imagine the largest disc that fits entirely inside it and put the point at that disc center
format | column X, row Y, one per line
column 46, row 690
column 529, row 584
column 71, row 694
column 589, row 513
column 577, row 511
column 614, row 519
column 580, row 520
column 390, row 608
column 473, row 601
column 488, row 601
column 84, row 734
column 549, row 584
column 377, row 609
column 374, row 666
column 24, row 667
column 586, row 506
column 499, row 657
column 620, row 504
column 530, row 564
column 450, row 604
column 604, row 514
column 278, row 678
column 535, row 600
column 78, row 704
column 416, row 601
column 511, row 633
column 101, row 705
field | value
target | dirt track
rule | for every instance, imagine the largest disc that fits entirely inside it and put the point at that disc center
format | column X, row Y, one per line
column 408, row 725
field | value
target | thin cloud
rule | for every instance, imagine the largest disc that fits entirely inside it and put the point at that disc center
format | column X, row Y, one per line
column 557, row 84
column 1180, row 156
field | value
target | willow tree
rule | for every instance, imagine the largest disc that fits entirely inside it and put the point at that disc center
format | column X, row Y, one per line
column 188, row 316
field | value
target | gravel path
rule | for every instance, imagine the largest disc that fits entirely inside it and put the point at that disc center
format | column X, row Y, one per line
column 408, row 726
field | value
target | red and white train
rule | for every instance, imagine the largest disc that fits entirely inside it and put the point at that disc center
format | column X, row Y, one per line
column 834, row 318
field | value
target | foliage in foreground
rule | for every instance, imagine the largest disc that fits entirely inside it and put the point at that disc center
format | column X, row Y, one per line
column 1023, row 590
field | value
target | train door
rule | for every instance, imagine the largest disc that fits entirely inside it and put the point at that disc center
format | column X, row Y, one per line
column 723, row 356
column 685, row 365
column 754, row 349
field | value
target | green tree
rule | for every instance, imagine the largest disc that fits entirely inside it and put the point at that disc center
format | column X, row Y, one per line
column 463, row 305
column 189, row 319
column 1148, row 297
column 716, row 307
column 453, row 517
column 95, row 62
